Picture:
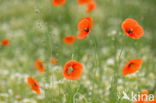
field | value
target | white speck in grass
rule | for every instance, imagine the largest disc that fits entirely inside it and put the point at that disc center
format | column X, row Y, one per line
column 112, row 33
column 4, row 72
column 18, row 34
column 120, row 88
column 37, row 10
column 110, row 61
column 40, row 26
column 18, row 97
column 152, row 75
column 120, row 81
column 59, row 82
column 90, row 88
column 95, row 86
column 10, row 91
column 56, row 68
column 105, row 50
column 28, row 100
column 81, row 97
column 55, row 31
column 100, row 91
column 84, row 77
column 5, row 27
column 42, row 95
column 19, row 76
column 4, row 95
column 89, row 65
column 141, row 74
column 89, row 93
column 88, row 83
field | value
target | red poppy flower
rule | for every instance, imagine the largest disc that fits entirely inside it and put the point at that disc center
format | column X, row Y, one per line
column 53, row 61
column 84, row 25
column 70, row 39
column 132, row 66
column 5, row 42
column 83, row 1
column 39, row 65
column 73, row 70
column 58, row 2
column 33, row 84
column 91, row 6
column 132, row 28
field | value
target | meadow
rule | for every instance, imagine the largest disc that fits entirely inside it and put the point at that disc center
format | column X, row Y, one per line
column 36, row 28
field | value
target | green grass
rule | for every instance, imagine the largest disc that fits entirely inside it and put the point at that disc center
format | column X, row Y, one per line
column 36, row 29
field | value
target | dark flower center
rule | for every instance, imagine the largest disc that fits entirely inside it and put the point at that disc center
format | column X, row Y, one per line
column 35, row 84
column 130, row 31
column 131, row 64
column 86, row 29
column 41, row 65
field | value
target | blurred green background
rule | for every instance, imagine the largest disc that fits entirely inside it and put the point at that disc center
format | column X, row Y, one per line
column 36, row 29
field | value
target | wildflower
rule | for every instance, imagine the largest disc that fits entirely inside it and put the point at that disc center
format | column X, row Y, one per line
column 91, row 6
column 69, row 40
column 132, row 66
column 5, row 42
column 132, row 28
column 83, row 1
column 39, row 66
column 33, row 84
column 84, row 25
column 53, row 61
column 58, row 2
column 73, row 70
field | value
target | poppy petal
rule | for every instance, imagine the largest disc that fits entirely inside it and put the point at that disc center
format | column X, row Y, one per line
column 39, row 66
column 33, row 84
column 69, row 40
column 91, row 6
column 139, row 32
column 58, row 2
column 82, row 35
column 53, row 61
column 5, row 42
column 83, row 1
column 85, row 23
column 132, row 66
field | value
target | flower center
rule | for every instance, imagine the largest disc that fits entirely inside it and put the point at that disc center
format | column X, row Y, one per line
column 70, row 69
column 35, row 84
column 130, row 31
column 86, row 29
column 131, row 64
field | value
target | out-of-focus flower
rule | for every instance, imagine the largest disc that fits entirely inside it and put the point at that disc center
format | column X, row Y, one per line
column 53, row 61
column 84, row 25
column 132, row 28
column 69, row 40
column 58, row 2
column 73, row 70
column 5, row 42
column 33, row 84
column 91, row 6
column 132, row 66
column 39, row 66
